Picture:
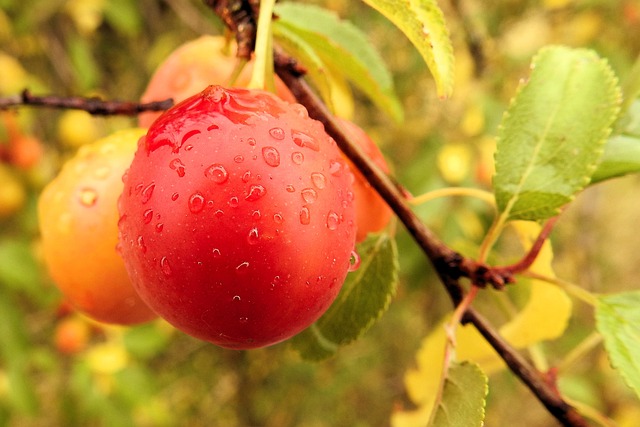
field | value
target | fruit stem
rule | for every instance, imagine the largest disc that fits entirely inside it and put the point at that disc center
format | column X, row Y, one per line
column 477, row 193
column 262, row 76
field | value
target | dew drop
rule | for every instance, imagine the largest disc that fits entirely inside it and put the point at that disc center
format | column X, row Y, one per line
column 254, row 236
column 335, row 168
column 277, row 133
column 141, row 246
column 236, row 298
column 290, row 188
column 251, row 141
column 277, row 218
column 178, row 166
column 213, row 127
column 219, row 213
column 234, row 202
column 299, row 110
column 333, row 220
column 216, row 253
column 188, row 136
column 255, row 193
column 159, row 227
column 164, row 265
column 297, row 157
column 196, row 202
column 301, row 139
column 242, row 268
column 243, row 320
column 147, row 216
column 102, row 172
column 175, row 196
column 88, row 197
column 188, row 147
column 271, row 156
column 305, row 216
column 309, row 195
column 354, row 261
column 217, row 173
column 318, row 180
column 147, row 192
column 238, row 159
column 246, row 176
column 256, row 215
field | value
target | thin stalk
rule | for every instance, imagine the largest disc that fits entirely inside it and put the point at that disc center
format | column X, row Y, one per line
column 263, row 66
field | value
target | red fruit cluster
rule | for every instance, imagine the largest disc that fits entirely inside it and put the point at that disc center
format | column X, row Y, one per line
column 237, row 218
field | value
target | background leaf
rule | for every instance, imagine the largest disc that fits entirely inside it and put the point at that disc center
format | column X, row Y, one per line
column 621, row 157
column 365, row 295
column 618, row 320
column 343, row 49
column 423, row 23
column 552, row 135
column 463, row 397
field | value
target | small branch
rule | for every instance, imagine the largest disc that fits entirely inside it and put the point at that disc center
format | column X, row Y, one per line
column 95, row 106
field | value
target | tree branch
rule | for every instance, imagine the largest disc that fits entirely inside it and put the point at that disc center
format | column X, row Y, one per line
column 95, row 106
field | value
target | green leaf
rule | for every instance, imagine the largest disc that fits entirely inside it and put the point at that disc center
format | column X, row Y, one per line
column 19, row 271
column 552, row 136
column 463, row 397
column 618, row 320
column 423, row 23
column 343, row 48
column 621, row 157
column 365, row 296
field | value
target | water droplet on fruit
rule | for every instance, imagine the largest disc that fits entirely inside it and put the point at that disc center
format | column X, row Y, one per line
column 217, row 173
column 188, row 147
column 189, row 135
column 299, row 110
column 297, row 157
column 243, row 320
column 213, row 127
column 175, row 196
column 141, row 246
column 178, row 166
column 164, row 265
column 335, row 168
column 255, row 192
column 277, row 133
column 309, row 195
column 301, row 139
column 159, row 227
column 234, row 202
column 290, row 188
column 333, row 220
column 238, row 159
column 254, row 237
column 236, row 298
column 246, row 176
column 147, row 192
column 219, row 213
column 147, row 216
column 242, row 268
column 271, row 156
column 354, row 261
column 256, row 215
column 88, row 197
column 277, row 218
column 319, row 180
column 251, row 141
column 196, row 202
column 216, row 253
column 305, row 216
column 102, row 172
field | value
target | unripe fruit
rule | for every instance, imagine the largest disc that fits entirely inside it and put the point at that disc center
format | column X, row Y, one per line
column 71, row 335
column 372, row 212
column 237, row 220
column 192, row 67
column 78, row 218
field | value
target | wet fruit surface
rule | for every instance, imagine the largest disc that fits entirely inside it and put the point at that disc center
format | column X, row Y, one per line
column 237, row 218
column 78, row 217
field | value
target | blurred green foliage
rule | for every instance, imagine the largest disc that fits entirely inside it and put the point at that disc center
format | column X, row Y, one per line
column 153, row 376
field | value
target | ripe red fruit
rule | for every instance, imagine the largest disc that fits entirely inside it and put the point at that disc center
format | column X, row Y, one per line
column 237, row 220
column 372, row 212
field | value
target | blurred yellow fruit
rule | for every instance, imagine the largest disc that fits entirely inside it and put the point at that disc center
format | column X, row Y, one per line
column 454, row 161
column 14, row 77
column 77, row 128
column 12, row 193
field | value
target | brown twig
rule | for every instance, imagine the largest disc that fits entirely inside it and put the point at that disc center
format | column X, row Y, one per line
column 449, row 265
column 93, row 105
